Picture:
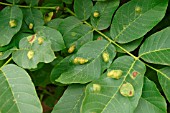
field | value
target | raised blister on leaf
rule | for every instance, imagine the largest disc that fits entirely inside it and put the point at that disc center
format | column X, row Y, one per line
column 96, row 88
column 105, row 56
column 96, row 14
column 31, row 38
column 138, row 9
column 100, row 38
column 12, row 23
column 79, row 60
column 31, row 26
column 1, row 53
column 73, row 34
column 30, row 54
column 49, row 17
column 40, row 40
column 127, row 90
column 71, row 49
column 116, row 74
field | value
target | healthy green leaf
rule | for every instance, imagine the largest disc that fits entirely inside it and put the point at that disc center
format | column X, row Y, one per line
column 71, row 100
column 54, row 23
column 130, row 46
column 134, row 19
column 83, row 8
column 33, row 16
column 92, row 51
column 68, row 23
column 60, row 68
column 17, row 92
column 164, row 79
column 151, row 101
column 53, row 35
column 32, row 2
column 78, row 36
column 13, row 14
column 13, row 1
column 5, row 54
column 104, row 95
column 156, row 48
column 105, row 10
column 32, row 51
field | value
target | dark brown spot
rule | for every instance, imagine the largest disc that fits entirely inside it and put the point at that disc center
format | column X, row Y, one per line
column 130, row 93
column 32, row 38
column 135, row 74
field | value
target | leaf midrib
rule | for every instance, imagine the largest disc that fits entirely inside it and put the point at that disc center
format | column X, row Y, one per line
column 119, row 86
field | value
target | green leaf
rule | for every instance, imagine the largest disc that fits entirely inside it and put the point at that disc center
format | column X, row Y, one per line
column 78, row 36
column 68, row 1
column 71, row 100
column 131, row 46
column 34, row 16
column 53, row 35
column 92, row 51
column 54, row 23
column 13, row 1
column 156, row 48
column 105, row 10
column 104, row 96
column 17, row 92
column 151, row 101
column 60, row 68
column 68, row 23
column 83, row 8
column 31, row 52
column 129, row 25
column 32, row 2
column 164, row 80
column 9, row 13
column 5, row 54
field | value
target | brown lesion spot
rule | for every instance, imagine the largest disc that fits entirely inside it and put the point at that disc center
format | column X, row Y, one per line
column 31, row 38
column 134, row 74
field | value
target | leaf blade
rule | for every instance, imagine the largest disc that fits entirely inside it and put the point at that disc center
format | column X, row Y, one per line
column 19, row 94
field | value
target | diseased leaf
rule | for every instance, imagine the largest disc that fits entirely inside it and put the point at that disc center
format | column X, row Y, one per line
column 95, row 65
column 151, row 101
column 78, row 36
column 5, row 54
column 105, row 10
column 156, row 48
column 104, row 95
column 164, row 79
column 17, row 92
column 72, row 98
column 53, row 35
column 33, row 50
column 33, row 16
column 9, row 15
column 135, row 18
column 83, row 8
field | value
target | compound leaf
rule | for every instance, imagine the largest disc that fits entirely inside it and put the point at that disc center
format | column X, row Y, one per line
column 104, row 95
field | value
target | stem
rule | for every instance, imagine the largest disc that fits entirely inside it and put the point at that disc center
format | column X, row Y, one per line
column 23, row 6
column 7, row 62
